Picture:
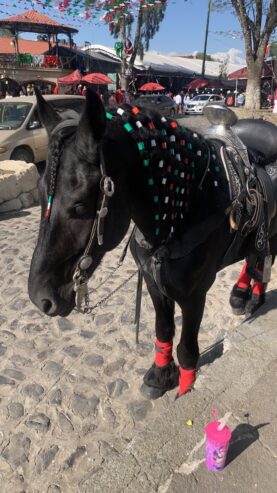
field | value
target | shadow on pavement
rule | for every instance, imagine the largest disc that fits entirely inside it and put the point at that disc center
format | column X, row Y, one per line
column 270, row 304
column 10, row 215
column 211, row 354
column 242, row 437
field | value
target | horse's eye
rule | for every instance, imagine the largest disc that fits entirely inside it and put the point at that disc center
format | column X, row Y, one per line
column 80, row 209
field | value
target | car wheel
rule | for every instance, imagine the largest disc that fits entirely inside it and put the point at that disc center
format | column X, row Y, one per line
column 23, row 154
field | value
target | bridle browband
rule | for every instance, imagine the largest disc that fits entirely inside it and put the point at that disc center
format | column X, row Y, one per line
column 106, row 191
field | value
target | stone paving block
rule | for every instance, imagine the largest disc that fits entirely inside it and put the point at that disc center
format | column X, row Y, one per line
column 108, row 437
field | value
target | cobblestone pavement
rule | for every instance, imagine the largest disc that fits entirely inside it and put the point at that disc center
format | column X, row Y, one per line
column 70, row 394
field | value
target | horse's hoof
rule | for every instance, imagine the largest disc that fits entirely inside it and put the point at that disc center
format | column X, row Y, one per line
column 159, row 379
column 256, row 301
column 151, row 392
column 239, row 298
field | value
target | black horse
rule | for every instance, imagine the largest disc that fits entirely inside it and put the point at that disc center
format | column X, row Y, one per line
column 130, row 164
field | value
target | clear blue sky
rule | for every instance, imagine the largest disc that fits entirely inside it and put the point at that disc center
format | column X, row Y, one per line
column 182, row 30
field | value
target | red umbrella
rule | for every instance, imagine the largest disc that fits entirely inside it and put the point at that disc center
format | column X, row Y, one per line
column 151, row 86
column 198, row 84
column 73, row 78
column 97, row 78
column 243, row 73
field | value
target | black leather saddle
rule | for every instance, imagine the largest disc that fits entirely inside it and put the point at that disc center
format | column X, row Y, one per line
column 259, row 136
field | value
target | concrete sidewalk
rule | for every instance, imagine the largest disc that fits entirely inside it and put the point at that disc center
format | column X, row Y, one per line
column 238, row 375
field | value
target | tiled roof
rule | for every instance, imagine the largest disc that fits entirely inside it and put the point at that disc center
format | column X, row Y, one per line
column 25, row 46
column 32, row 17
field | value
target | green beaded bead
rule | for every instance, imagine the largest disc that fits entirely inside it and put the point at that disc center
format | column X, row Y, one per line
column 156, row 199
column 172, row 151
column 157, row 231
column 176, row 172
column 217, row 169
column 157, row 217
column 128, row 127
column 150, row 181
column 146, row 162
column 141, row 146
column 109, row 116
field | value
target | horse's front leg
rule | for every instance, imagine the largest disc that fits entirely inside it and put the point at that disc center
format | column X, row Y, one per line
column 188, row 349
column 163, row 374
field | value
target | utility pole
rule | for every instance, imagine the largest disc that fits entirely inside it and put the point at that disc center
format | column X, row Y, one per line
column 206, row 39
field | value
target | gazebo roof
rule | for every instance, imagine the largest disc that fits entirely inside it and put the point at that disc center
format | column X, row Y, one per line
column 34, row 22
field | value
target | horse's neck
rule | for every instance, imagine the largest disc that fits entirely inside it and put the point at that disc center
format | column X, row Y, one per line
column 208, row 194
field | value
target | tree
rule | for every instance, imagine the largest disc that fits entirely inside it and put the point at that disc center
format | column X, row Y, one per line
column 5, row 33
column 200, row 55
column 258, row 19
column 223, row 68
column 123, row 23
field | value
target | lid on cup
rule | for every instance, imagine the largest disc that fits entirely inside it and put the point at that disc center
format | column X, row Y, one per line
column 221, row 436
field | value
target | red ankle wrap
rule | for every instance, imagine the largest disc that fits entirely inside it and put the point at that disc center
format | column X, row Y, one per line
column 163, row 352
column 186, row 380
column 258, row 288
column 244, row 279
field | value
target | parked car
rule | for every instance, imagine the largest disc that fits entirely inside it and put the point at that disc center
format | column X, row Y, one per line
column 22, row 136
column 163, row 104
column 197, row 104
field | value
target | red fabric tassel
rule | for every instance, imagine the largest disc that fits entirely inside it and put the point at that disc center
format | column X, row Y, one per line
column 163, row 352
column 186, row 380
column 244, row 279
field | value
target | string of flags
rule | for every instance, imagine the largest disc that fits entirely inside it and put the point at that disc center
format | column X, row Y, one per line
column 110, row 12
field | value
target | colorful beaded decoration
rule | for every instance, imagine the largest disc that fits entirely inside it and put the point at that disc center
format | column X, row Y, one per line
column 49, row 205
column 174, row 159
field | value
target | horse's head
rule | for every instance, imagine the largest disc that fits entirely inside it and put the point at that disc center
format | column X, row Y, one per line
column 71, row 193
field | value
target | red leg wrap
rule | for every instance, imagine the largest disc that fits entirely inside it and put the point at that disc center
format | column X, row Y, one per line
column 259, row 288
column 244, row 279
column 186, row 380
column 163, row 352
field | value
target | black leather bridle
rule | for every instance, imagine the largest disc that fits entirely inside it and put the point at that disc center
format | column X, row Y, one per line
column 106, row 191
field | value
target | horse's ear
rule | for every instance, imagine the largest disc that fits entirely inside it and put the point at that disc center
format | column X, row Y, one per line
column 93, row 119
column 48, row 116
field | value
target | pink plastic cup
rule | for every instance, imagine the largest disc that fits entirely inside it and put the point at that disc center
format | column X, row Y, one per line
column 217, row 444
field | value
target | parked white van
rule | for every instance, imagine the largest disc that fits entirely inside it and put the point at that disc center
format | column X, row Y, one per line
column 22, row 136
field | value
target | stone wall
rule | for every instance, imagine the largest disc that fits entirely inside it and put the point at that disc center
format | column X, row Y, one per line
column 18, row 185
column 267, row 115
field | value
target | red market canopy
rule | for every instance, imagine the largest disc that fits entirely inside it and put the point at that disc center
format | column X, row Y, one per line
column 198, row 84
column 151, row 86
column 97, row 78
column 73, row 78
column 243, row 73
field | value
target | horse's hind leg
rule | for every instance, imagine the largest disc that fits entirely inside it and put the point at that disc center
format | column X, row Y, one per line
column 188, row 349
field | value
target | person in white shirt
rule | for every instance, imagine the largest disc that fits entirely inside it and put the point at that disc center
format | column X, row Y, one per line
column 178, row 101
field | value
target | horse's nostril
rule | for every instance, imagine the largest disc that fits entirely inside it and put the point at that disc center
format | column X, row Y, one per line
column 46, row 306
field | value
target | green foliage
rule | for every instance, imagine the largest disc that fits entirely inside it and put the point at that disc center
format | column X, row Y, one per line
column 5, row 33
column 200, row 56
column 223, row 69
